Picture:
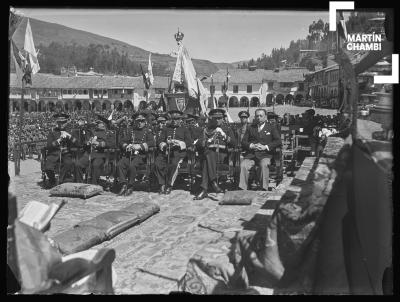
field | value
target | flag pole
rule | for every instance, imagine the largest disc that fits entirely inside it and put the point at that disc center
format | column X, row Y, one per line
column 21, row 113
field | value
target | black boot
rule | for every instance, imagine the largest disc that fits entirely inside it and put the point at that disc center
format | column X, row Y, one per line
column 203, row 194
column 168, row 190
column 216, row 188
column 123, row 190
column 129, row 190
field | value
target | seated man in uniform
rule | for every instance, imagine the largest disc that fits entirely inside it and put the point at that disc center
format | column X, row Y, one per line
column 242, row 128
column 259, row 141
column 97, row 144
column 59, row 142
column 174, row 141
column 216, row 139
column 134, row 145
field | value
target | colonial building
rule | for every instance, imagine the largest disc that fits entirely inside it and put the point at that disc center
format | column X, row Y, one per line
column 83, row 92
column 257, row 87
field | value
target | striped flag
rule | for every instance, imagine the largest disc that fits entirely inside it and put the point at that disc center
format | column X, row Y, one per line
column 29, row 46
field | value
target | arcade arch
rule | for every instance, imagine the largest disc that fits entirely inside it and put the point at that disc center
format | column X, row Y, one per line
column 269, row 99
column 254, row 102
column 233, row 101
column 279, row 99
column 244, row 101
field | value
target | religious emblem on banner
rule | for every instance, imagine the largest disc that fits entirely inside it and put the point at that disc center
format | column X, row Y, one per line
column 180, row 104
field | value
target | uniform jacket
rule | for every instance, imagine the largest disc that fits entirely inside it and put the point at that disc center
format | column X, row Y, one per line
column 240, row 131
column 99, row 152
column 143, row 137
column 230, row 141
column 178, row 133
column 268, row 135
column 54, row 147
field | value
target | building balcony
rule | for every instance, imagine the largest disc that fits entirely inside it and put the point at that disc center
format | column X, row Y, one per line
column 76, row 96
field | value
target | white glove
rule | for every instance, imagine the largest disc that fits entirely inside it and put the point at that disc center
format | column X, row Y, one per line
column 223, row 134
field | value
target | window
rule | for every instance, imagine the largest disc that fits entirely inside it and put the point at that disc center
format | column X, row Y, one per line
column 79, row 91
column 64, row 91
column 301, row 86
column 85, row 91
column 129, row 91
column 69, row 91
column 95, row 92
column 235, row 88
column 75, row 91
column 212, row 89
column 249, row 89
column 104, row 91
column 270, row 85
column 115, row 91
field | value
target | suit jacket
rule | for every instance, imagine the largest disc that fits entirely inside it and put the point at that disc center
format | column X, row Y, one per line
column 268, row 135
column 240, row 131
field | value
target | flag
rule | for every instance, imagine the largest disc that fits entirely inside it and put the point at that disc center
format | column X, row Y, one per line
column 150, row 71
column 189, row 72
column 111, row 115
column 22, row 68
column 162, row 104
column 29, row 46
column 177, row 76
column 13, row 22
column 146, row 80
column 341, row 30
column 203, row 96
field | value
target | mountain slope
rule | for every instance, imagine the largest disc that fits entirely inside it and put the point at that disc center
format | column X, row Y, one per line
column 45, row 32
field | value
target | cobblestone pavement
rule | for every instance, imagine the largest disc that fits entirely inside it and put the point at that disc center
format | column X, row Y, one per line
column 151, row 257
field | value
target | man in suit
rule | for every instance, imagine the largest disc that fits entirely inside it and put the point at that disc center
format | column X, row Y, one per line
column 175, row 139
column 259, row 141
column 216, row 129
column 134, row 145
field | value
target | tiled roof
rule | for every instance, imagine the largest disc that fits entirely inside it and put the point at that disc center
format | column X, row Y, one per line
column 244, row 76
column 40, row 80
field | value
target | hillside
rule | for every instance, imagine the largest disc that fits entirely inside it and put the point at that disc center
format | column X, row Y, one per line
column 45, row 32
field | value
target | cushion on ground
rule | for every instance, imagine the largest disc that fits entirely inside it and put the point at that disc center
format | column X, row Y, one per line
column 79, row 239
column 103, row 227
column 115, row 222
column 242, row 197
column 80, row 190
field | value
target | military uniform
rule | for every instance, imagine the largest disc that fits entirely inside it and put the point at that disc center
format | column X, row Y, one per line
column 83, row 154
column 97, row 156
column 166, row 174
column 210, row 157
column 56, row 146
column 131, row 160
column 266, row 135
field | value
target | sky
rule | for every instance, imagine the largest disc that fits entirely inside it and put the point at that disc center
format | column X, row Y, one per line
column 217, row 35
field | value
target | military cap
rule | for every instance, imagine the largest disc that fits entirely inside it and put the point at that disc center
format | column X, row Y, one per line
column 217, row 112
column 162, row 117
column 176, row 112
column 310, row 112
column 244, row 114
column 192, row 116
column 271, row 115
column 139, row 115
column 61, row 117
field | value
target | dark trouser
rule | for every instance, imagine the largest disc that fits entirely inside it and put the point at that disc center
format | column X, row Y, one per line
column 97, row 168
column 209, row 166
column 162, row 171
column 67, row 166
column 126, row 168
column 81, row 164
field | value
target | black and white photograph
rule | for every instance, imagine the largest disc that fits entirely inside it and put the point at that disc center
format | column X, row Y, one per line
column 201, row 151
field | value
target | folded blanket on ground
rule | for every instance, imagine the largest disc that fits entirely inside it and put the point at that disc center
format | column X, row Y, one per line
column 80, row 190
column 103, row 227
column 242, row 197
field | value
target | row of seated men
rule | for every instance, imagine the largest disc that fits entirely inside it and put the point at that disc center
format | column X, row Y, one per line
column 172, row 139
